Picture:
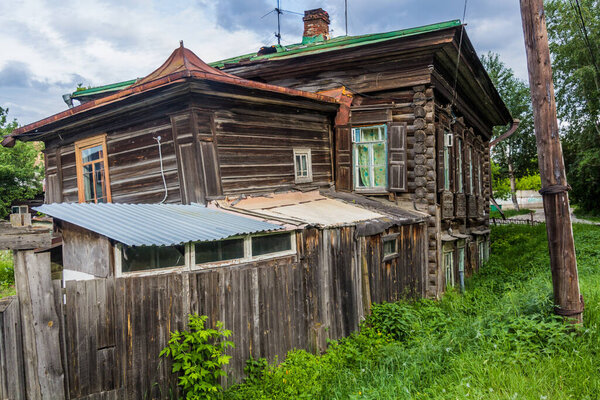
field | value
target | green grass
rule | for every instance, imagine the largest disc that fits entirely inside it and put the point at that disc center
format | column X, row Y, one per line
column 500, row 340
column 7, row 277
column 510, row 213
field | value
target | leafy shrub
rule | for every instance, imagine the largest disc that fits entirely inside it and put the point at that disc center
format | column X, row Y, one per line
column 198, row 355
column 255, row 369
column 529, row 182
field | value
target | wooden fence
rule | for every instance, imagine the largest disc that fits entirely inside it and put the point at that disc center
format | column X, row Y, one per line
column 516, row 221
column 114, row 329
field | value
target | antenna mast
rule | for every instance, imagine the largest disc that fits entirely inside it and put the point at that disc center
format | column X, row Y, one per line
column 346, row 15
column 279, row 12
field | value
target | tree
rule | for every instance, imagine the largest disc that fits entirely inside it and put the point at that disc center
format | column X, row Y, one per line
column 516, row 156
column 21, row 168
column 573, row 32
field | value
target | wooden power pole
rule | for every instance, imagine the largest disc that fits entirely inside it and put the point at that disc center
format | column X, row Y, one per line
column 567, row 299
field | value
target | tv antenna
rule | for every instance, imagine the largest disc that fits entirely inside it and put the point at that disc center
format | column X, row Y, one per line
column 279, row 12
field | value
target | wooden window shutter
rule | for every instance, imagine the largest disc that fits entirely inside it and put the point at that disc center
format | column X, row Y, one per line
column 397, row 157
column 343, row 158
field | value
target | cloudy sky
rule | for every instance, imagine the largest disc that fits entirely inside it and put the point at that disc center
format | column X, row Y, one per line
column 48, row 47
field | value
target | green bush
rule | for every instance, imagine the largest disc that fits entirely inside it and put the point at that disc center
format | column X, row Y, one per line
column 530, row 182
column 198, row 356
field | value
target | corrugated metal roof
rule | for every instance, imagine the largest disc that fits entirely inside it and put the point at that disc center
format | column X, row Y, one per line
column 156, row 224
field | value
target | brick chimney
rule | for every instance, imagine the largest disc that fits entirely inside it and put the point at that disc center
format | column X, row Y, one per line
column 316, row 26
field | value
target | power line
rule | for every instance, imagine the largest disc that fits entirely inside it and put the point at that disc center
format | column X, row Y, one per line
column 462, row 31
column 586, row 39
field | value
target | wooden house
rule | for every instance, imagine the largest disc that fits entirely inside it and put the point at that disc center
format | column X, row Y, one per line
column 416, row 115
column 421, row 109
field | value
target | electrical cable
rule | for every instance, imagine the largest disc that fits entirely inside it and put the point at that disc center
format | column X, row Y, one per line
column 162, row 171
column 462, row 31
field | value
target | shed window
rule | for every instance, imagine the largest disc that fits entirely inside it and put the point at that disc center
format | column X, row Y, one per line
column 220, row 250
column 459, row 165
column 141, row 258
column 370, row 157
column 302, row 165
column 92, row 172
column 390, row 246
column 262, row 245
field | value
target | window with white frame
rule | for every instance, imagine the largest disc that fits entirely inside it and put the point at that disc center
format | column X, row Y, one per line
column 370, row 157
column 481, row 245
column 204, row 254
column 446, row 161
column 302, row 165
column 459, row 165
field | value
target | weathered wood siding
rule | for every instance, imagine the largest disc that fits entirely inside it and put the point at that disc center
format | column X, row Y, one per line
column 115, row 328
column 133, row 164
column 255, row 147
column 12, row 368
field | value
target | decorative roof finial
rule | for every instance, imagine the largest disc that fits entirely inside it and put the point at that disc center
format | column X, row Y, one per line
column 181, row 44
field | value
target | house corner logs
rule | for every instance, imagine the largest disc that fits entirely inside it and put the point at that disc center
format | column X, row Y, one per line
column 567, row 298
column 425, row 193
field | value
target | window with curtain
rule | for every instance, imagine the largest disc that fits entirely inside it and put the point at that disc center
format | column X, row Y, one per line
column 92, row 172
column 370, row 157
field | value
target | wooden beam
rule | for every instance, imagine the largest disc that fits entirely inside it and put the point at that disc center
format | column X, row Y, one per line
column 23, row 237
column 567, row 299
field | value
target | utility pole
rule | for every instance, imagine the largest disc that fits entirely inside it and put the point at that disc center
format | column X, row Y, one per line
column 567, row 299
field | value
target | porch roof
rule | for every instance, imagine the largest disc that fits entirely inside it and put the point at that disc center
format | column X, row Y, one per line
column 156, row 224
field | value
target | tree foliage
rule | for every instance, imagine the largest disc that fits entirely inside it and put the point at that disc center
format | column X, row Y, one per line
column 21, row 168
column 521, row 146
column 577, row 85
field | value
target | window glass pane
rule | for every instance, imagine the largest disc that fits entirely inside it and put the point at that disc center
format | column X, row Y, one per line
column 379, row 165
column 362, row 158
column 369, row 134
column 298, row 165
column 461, row 259
column 99, row 181
column 271, row 244
column 88, row 182
column 91, row 154
column 141, row 258
column 219, row 251
column 449, row 267
column 304, row 168
column 459, row 166
column 389, row 247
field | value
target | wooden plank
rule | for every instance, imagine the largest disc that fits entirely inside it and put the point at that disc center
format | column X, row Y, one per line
column 23, row 237
column 41, row 340
column 12, row 364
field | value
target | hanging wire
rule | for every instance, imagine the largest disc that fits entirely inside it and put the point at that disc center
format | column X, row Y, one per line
column 583, row 28
column 462, row 31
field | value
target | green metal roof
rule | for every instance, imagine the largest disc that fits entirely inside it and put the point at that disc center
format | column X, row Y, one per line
column 106, row 88
column 299, row 49
column 337, row 43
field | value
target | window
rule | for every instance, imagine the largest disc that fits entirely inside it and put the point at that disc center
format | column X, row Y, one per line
column 459, row 165
column 269, row 244
column 446, row 163
column 481, row 249
column 302, row 165
column 92, row 172
column 370, row 157
column 142, row 258
column 390, row 246
column 470, row 170
column 449, row 267
column 479, row 180
column 220, row 250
